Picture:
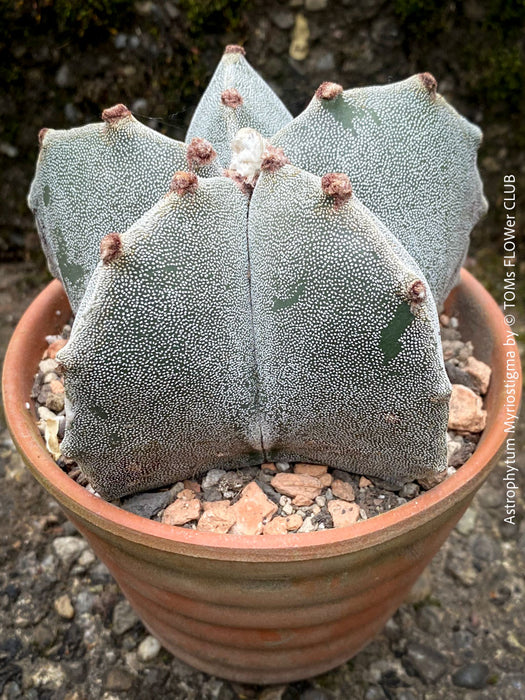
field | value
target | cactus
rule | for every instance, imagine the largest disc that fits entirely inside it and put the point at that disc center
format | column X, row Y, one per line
column 265, row 311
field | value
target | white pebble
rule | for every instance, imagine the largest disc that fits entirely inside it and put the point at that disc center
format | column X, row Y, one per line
column 149, row 648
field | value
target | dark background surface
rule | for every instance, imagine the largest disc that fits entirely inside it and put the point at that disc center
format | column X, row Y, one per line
column 61, row 63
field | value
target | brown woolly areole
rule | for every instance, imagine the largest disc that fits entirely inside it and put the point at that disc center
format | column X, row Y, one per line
column 110, row 248
column 231, row 98
column 235, row 48
column 337, row 186
column 273, row 159
column 429, row 83
column 41, row 136
column 115, row 113
column 328, row 91
column 184, row 183
column 240, row 181
column 417, row 292
column 200, row 152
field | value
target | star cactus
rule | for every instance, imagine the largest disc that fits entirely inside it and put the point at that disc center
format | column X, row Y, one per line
column 266, row 291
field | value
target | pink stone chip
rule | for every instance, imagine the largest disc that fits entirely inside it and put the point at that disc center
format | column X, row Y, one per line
column 276, row 526
column 293, row 485
column 342, row 489
column 54, row 348
column 218, row 516
column 480, row 372
column 311, row 469
column 466, row 410
column 252, row 511
column 343, row 513
column 293, row 522
column 364, row 482
column 182, row 511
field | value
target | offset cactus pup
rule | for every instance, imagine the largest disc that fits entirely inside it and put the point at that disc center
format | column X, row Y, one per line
column 277, row 608
column 281, row 276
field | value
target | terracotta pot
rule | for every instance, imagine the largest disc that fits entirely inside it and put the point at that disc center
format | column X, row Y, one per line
column 262, row 609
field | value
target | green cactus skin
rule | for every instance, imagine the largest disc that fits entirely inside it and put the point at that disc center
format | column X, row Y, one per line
column 411, row 159
column 222, row 331
column 260, row 108
column 159, row 369
column 348, row 353
column 96, row 179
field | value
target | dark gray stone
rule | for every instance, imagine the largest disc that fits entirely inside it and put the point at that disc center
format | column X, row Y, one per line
column 473, row 676
column 212, row 494
column 426, row 662
column 147, row 504
column 268, row 491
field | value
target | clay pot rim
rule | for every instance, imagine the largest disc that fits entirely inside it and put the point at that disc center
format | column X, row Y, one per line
column 292, row 546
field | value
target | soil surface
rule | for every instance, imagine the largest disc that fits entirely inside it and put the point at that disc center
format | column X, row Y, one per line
column 65, row 630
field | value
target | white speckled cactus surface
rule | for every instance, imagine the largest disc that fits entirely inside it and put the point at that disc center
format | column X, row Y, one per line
column 237, row 300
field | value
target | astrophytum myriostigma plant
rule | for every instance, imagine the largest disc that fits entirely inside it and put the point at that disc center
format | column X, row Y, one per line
column 238, row 300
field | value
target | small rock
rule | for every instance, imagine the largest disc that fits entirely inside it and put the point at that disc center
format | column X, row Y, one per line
column 68, row 549
column 457, row 375
column 64, row 608
column 428, row 663
column 299, row 46
column 268, row 491
column 252, row 510
column 297, row 485
column 311, row 469
column 421, row 589
column 409, row 490
column 276, row 526
column 55, row 402
column 147, row 505
column 119, row 679
column 364, row 482
column 480, row 372
column 301, row 501
column 49, row 365
column 149, row 648
column 186, row 494
column 474, row 676
column 466, row 410
column 269, row 467
column 293, row 522
column 343, row 490
column 308, row 525
column 432, row 479
column 343, row 513
column 282, row 466
column 192, row 486
column 284, row 19
column 212, row 478
column 212, row 494
column 54, row 347
column 467, row 522
column 218, row 516
column 315, row 5
column 64, row 77
column 314, row 694
column 182, row 511
column 124, row 618
column 461, row 570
